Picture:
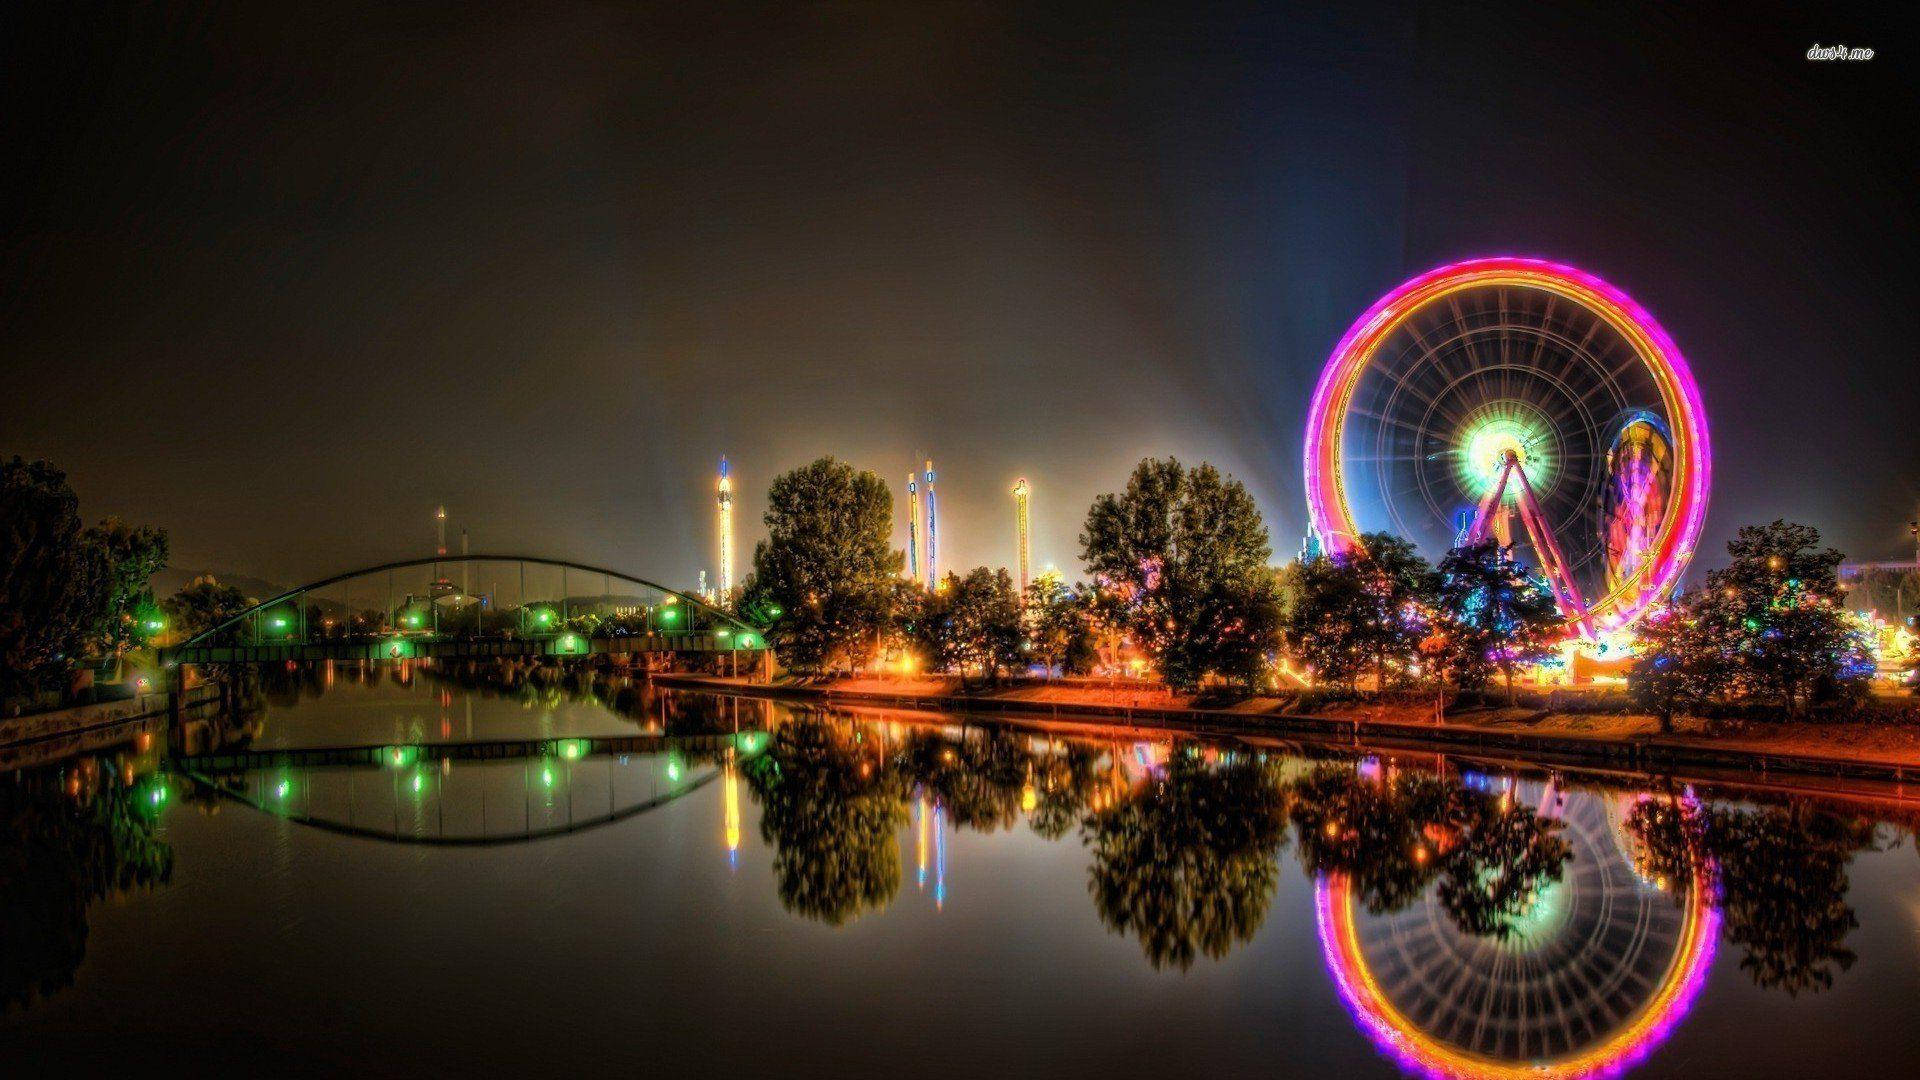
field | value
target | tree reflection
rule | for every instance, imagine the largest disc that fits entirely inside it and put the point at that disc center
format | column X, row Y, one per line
column 1394, row 836
column 1374, row 832
column 1780, row 878
column 830, row 811
column 1188, row 864
column 977, row 780
column 1498, row 870
column 1783, row 888
column 1065, row 785
column 62, row 848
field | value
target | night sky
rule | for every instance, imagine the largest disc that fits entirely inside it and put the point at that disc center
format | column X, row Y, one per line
column 282, row 282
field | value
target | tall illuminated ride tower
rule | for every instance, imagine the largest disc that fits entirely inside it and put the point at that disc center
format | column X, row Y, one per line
column 440, row 530
column 725, row 509
column 913, row 526
column 1022, row 535
column 933, row 533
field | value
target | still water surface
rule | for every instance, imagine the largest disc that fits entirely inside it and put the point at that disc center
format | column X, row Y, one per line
column 405, row 873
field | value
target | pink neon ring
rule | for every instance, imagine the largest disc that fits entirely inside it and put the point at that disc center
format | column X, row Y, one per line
column 1420, row 1054
column 1680, row 531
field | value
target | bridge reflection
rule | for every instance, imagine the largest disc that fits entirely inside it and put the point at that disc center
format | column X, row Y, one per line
column 470, row 794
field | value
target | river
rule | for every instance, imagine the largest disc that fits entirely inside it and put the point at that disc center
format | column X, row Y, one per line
column 398, row 871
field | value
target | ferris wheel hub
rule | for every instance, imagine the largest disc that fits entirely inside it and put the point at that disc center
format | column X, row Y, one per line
column 1503, row 430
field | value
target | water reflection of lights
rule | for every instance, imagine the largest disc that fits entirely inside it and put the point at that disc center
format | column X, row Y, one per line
column 730, row 786
column 1547, row 997
column 920, row 820
column 939, row 861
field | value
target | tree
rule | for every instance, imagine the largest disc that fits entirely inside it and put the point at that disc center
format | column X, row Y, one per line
column 1777, row 605
column 1059, row 624
column 53, row 584
column 824, row 574
column 1401, row 587
column 1768, row 627
column 1323, row 629
column 1181, row 554
column 973, row 621
column 1236, row 627
column 1680, row 666
column 1492, row 616
column 130, row 557
column 202, row 605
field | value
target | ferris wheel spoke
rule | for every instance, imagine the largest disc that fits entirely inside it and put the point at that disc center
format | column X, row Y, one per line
column 1583, row 349
column 1465, row 341
column 1393, row 420
column 1540, row 340
column 1611, row 381
column 1456, row 416
column 1440, row 357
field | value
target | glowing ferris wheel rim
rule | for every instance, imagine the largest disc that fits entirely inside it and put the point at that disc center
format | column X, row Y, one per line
column 1608, row 937
column 1422, row 1054
column 1658, row 574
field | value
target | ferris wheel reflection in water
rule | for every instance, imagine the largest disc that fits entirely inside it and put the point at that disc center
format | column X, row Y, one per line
column 1593, row 972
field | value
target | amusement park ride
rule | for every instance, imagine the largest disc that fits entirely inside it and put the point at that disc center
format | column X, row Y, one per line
column 1504, row 390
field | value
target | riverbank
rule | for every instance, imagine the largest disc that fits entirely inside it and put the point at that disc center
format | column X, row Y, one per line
column 81, row 719
column 1854, row 750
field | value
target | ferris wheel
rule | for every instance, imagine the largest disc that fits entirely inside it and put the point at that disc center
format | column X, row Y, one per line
column 1524, row 402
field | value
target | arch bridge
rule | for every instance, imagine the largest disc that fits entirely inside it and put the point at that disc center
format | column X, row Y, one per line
column 469, row 607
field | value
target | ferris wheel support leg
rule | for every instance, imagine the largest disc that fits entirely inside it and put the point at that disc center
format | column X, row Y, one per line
column 1483, row 516
column 1566, row 592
